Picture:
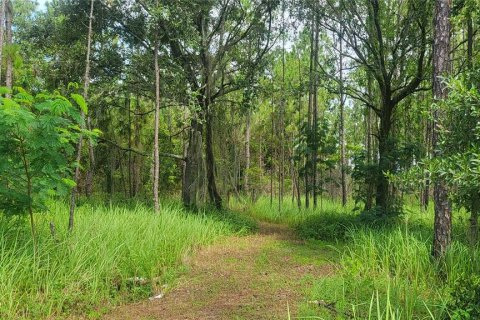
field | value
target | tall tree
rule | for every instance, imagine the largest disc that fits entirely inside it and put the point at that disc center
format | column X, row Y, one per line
column 441, row 69
column 392, row 48
column 86, row 85
column 156, row 155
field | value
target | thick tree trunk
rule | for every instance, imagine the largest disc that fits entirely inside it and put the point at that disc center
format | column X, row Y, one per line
column 193, row 166
column 210, row 162
column 441, row 68
column 383, row 199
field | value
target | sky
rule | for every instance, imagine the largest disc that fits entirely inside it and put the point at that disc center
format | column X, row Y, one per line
column 41, row 3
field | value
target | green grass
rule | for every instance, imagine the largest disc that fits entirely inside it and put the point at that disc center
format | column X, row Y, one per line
column 88, row 271
column 385, row 268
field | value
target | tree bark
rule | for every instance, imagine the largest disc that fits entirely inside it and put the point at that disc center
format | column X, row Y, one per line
column 441, row 68
column 156, row 154
column 193, row 164
column 210, row 162
column 382, row 198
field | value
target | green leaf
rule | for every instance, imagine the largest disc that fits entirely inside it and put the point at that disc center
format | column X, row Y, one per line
column 80, row 101
column 69, row 182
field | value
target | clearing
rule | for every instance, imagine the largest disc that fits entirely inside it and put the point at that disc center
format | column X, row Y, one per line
column 260, row 276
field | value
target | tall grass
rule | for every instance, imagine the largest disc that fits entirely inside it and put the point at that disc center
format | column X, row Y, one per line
column 386, row 270
column 287, row 212
column 94, row 266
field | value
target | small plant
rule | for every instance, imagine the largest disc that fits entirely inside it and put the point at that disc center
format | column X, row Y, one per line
column 37, row 139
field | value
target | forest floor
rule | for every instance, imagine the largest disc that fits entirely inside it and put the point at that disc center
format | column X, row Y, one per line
column 260, row 276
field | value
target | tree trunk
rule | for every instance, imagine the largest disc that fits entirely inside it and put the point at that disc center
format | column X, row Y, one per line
column 9, row 41
column 470, row 35
column 247, row 150
column 210, row 162
column 156, row 152
column 138, row 159
column 342, row 130
column 78, row 157
column 383, row 199
column 441, row 69
column 3, row 5
column 129, row 116
column 315, row 113
column 193, row 164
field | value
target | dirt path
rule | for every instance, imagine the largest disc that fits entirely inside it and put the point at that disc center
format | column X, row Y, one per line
column 253, row 277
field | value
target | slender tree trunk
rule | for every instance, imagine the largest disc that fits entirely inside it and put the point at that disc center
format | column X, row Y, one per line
column 342, row 130
column 129, row 117
column 315, row 114
column 470, row 35
column 9, row 41
column 3, row 5
column 441, row 69
column 308, row 162
column 247, row 150
column 297, row 169
column 273, row 149
column 86, row 85
column 282, row 119
column 156, row 151
column 138, row 160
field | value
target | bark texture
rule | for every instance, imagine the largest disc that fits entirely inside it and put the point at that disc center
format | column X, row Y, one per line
column 441, row 68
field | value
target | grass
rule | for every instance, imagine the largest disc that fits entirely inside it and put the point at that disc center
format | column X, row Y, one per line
column 386, row 271
column 91, row 269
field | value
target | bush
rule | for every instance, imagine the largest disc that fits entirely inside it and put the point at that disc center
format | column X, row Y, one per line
column 465, row 298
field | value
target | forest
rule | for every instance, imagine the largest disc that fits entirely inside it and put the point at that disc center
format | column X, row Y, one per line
column 239, row 159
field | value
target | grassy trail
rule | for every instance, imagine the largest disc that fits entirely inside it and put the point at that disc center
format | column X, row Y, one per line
column 260, row 276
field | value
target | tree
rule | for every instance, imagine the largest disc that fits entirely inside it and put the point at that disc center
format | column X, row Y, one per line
column 86, row 84
column 393, row 50
column 441, row 69
column 156, row 155
column 37, row 135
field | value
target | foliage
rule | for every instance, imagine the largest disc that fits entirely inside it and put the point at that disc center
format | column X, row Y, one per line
column 465, row 299
column 328, row 226
column 37, row 141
